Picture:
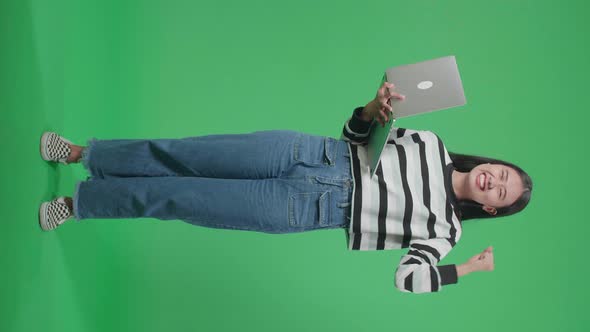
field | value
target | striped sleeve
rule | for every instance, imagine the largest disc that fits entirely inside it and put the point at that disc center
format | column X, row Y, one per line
column 417, row 271
column 398, row 132
column 355, row 130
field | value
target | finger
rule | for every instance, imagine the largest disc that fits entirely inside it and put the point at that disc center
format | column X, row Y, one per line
column 389, row 85
column 385, row 105
column 387, row 91
column 385, row 119
column 397, row 95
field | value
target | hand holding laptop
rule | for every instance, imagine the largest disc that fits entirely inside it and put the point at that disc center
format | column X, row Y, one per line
column 432, row 85
column 379, row 107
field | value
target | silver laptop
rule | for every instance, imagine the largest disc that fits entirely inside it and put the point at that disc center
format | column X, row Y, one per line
column 430, row 85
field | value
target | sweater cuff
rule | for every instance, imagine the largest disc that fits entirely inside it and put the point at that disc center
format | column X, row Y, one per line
column 448, row 274
column 356, row 124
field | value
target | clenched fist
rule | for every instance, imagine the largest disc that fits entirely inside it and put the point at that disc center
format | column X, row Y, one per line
column 483, row 261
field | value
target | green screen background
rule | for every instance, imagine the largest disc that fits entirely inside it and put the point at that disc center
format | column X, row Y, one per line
column 171, row 69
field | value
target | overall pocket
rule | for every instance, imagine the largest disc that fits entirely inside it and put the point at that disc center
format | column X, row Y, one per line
column 310, row 209
column 314, row 150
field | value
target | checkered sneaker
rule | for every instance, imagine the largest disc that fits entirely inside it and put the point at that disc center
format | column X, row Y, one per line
column 53, row 213
column 55, row 147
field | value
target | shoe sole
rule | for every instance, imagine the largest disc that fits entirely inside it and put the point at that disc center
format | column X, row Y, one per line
column 42, row 216
column 43, row 145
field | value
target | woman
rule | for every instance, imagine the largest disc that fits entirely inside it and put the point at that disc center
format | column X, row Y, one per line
column 282, row 181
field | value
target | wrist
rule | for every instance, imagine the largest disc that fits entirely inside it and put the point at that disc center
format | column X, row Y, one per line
column 464, row 269
column 366, row 113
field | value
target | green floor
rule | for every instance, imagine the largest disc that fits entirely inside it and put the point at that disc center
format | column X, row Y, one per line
column 170, row 69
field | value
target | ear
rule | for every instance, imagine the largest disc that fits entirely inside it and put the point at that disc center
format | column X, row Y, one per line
column 489, row 210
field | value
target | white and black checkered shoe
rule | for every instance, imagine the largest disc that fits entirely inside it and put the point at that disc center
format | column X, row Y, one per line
column 54, row 213
column 54, row 147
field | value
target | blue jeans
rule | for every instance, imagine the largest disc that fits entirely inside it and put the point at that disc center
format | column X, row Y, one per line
column 273, row 181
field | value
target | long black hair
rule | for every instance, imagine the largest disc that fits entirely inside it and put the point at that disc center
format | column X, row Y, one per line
column 469, row 209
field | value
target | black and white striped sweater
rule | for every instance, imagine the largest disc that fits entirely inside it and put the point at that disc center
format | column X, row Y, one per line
column 409, row 203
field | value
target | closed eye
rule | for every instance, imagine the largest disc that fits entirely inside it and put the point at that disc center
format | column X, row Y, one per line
column 505, row 176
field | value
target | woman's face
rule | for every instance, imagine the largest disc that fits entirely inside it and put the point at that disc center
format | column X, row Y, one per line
column 494, row 186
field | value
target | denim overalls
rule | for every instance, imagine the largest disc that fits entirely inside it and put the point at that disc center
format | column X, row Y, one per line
column 273, row 181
